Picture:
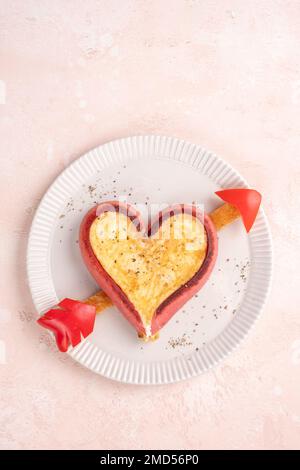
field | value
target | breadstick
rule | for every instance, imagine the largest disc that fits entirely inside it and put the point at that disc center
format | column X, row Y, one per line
column 224, row 215
column 100, row 300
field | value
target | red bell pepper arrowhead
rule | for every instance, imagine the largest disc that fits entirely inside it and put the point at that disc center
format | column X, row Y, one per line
column 69, row 322
column 247, row 202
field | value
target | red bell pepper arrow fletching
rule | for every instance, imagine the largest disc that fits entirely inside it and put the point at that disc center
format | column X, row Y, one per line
column 69, row 322
column 246, row 201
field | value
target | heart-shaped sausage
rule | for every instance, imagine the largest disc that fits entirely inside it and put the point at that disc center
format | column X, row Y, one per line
column 148, row 275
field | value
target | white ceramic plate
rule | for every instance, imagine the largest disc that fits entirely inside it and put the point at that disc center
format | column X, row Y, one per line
column 151, row 169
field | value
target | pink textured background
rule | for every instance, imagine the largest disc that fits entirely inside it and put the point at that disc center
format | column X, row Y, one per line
column 223, row 74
